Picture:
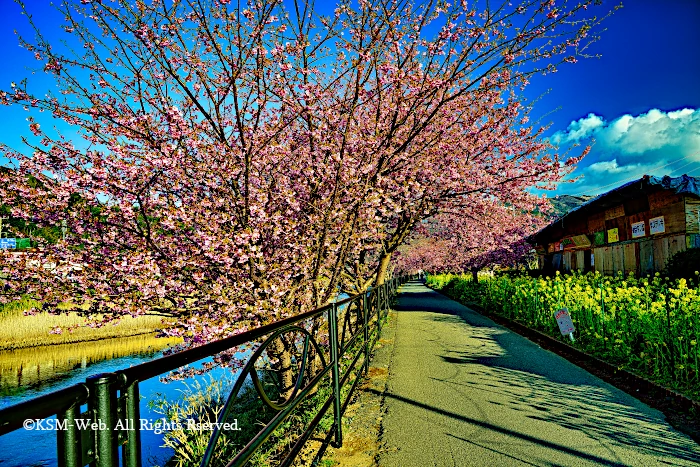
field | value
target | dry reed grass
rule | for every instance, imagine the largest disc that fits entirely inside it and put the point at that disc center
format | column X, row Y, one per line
column 18, row 330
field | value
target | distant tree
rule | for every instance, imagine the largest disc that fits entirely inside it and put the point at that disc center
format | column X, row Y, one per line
column 458, row 244
column 238, row 161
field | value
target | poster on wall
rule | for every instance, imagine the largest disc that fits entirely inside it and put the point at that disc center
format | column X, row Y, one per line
column 638, row 229
column 657, row 225
column 581, row 241
column 613, row 235
column 599, row 238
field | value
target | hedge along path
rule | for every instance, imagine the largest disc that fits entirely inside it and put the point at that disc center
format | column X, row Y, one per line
column 465, row 391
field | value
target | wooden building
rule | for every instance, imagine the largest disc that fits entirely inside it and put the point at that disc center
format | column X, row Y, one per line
column 634, row 228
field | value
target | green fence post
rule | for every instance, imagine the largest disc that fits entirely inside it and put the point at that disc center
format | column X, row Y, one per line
column 69, row 450
column 131, row 451
column 103, row 406
column 379, row 308
column 365, row 318
column 333, row 331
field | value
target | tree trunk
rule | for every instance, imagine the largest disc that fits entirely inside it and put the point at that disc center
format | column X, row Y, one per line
column 475, row 275
column 282, row 351
column 313, row 366
column 384, row 261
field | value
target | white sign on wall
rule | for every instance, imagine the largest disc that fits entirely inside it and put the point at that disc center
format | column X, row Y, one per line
column 657, row 225
column 638, row 229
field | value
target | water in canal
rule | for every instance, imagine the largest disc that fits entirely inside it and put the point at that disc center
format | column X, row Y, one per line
column 29, row 373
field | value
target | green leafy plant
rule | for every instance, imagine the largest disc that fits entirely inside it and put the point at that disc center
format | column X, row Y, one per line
column 684, row 264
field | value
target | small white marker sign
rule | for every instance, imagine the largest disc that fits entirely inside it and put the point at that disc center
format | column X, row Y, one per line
column 638, row 229
column 657, row 225
column 566, row 326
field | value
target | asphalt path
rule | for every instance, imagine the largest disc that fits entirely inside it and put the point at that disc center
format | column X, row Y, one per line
column 464, row 391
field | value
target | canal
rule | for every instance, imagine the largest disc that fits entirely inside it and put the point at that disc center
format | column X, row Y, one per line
column 32, row 372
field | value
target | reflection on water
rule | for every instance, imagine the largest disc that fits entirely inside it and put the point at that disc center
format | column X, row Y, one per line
column 26, row 374
column 22, row 369
column 33, row 372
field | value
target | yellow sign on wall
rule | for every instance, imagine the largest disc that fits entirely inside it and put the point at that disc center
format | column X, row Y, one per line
column 581, row 241
column 613, row 236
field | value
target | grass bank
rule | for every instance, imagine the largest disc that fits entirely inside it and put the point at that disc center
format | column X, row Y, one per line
column 19, row 330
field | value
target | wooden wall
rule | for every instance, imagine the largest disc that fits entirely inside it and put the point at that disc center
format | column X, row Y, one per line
column 642, row 256
column 580, row 264
column 596, row 222
column 630, row 260
column 566, row 261
column 639, row 258
column 663, row 198
column 666, row 247
column 646, row 257
column 692, row 215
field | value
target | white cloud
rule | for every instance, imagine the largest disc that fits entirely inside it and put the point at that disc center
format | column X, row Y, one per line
column 654, row 143
column 635, row 135
column 610, row 167
column 579, row 129
column 680, row 113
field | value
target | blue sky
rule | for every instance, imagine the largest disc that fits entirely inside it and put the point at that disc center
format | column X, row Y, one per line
column 628, row 100
column 640, row 102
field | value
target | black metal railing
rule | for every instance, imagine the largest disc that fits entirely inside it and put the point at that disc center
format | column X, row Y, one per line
column 347, row 329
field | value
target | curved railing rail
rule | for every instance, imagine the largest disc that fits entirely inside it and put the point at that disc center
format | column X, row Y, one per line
column 349, row 326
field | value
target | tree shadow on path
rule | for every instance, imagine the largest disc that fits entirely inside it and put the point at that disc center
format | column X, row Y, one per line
column 507, row 372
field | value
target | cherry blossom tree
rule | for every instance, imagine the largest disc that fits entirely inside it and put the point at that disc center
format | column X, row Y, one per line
column 459, row 244
column 232, row 163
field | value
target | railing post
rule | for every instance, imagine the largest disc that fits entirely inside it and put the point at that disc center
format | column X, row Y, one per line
column 333, row 335
column 379, row 308
column 103, row 406
column 68, row 442
column 131, row 451
column 365, row 319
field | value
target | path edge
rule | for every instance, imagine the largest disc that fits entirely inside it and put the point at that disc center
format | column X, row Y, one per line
column 669, row 402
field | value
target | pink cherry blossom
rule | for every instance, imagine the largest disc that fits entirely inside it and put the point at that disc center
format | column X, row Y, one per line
column 234, row 169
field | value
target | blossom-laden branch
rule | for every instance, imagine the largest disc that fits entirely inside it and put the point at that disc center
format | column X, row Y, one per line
column 236, row 162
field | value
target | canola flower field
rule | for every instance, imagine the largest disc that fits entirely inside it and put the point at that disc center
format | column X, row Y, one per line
column 650, row 326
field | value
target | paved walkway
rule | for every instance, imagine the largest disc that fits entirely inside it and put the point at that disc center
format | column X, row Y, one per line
column 464, row 391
